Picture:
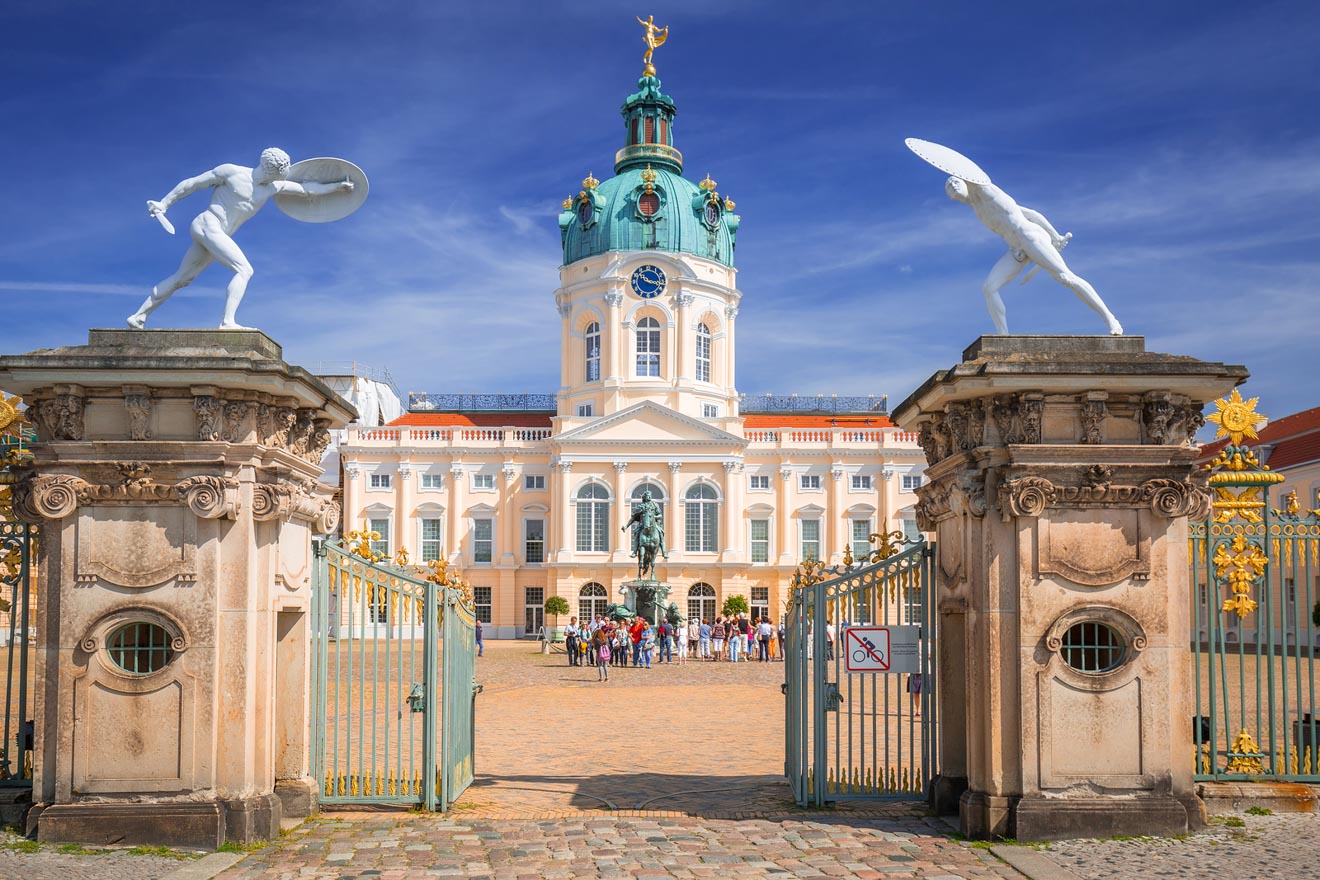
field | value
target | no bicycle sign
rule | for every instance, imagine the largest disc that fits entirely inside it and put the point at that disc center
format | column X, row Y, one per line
column 882, row 649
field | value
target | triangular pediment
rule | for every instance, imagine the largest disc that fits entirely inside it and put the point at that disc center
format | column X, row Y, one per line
column 649, row 423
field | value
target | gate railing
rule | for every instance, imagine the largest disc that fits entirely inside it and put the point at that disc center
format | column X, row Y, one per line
column 869, row 736
column 1254, row 580
column 392, row 698
column 18, row 544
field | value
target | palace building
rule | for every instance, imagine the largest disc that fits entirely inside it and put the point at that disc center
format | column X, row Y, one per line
column 528, row 494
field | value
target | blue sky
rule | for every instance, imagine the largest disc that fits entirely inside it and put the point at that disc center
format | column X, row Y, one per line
column 1178, row 141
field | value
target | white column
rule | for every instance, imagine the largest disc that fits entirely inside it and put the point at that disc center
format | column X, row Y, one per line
column 405, row 529
column 453, row 516
column 735, row 541
column 784, row 516
column 674, row 528
column 834, row 517
column 620, row 539
column 564, row 511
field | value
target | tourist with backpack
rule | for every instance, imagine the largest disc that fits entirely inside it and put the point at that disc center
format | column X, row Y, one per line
column 600, row 653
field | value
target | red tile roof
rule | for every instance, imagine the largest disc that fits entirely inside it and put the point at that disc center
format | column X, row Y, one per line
column 1295, row 440
column 477, row 420
column 777, row 420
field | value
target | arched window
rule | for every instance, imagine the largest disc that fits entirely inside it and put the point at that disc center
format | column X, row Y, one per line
column 657, row 495
column 702, row 523
column 593, row 352
column 593, row 519
column 703, row 353
column 592, row 599
column 648, row 347
column 701, row 602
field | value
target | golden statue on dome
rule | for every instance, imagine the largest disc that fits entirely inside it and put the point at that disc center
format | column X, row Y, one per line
column 655, row 36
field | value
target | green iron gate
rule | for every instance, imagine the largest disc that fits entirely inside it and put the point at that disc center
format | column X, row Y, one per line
column 868, row 736
column 393, row 684
column 17, row 626
column 1255, row 584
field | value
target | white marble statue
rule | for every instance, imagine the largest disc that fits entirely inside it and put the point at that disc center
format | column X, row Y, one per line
column 1031, row 239
column 239, row 193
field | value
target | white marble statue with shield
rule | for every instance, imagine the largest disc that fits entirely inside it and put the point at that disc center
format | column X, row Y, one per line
column 314, row 191
column 1031, row 239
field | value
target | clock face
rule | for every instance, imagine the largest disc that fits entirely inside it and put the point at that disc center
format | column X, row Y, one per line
column 648, row 281
column 712, row 214
column 585, row 211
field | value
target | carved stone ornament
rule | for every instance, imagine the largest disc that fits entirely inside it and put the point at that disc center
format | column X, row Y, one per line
column 934, row 439
column 59, row 417
column 1018, row 417
column 1169, row 419
column 1092, row 414
column 138, row 407
column 934, row 503
column 56, row 496
column 236, row 421
column 969, row 494
column 209, row 411
column 614, row 299
column 1030, row 495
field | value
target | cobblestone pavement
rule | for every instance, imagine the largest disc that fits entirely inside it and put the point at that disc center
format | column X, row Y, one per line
column 1278, row 847
column 425, row 846
column 18, row 861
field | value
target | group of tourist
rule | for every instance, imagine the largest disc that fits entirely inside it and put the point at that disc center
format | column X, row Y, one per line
column 604, row 643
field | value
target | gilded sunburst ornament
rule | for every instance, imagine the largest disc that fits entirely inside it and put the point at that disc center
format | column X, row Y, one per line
column 9, row 414
column 1236, row 418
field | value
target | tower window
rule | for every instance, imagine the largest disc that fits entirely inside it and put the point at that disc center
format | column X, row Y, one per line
column 648, row 204
column 593, row 352
column 648, row 347
column 664, row 135
column 703, row 353
column 650, row 130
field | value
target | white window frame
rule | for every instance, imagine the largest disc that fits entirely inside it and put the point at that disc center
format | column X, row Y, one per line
column 534, row 482
column 438, row 479
column 769, row 540
column 526, row 526
column 861, row 550
column 803, row 483
column 910, row 482
column 646, row 356
column 383, row 545
column 488, row 605
column 478, row 479
column 710, row 411
column 861, row 483
column 586, row 410
column 422, row 539
column 752, row 487
column 591, row 342
column 592, row 541
column 802, row 537
column 704, row 348
column 688, row 509
column 472, row 526
column 380, row 481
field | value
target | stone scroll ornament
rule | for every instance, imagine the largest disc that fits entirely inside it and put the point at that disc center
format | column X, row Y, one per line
column 1031, row 495
column 56, row 496
column 1032, row 241
column 314, row 191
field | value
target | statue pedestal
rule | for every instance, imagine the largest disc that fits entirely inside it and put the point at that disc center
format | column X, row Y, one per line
column 647, row 599
column 1059, row 486
column 175, row 480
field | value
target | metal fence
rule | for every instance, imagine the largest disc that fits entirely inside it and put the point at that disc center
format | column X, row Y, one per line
column 865, row 736
column 392, row 700
column 1255, row 575
column 17, row 546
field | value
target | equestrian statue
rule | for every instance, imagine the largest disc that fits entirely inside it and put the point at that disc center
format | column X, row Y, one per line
column 648, row 536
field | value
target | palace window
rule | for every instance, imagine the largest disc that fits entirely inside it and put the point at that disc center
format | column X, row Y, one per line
column 586, row 410
column 533, row 609
column 809, row 482
column 861, row 482
column 710, row 411
column 760, row 483
column 703, row 353
column 593, row 519
column 380, row 481
column 648, row 347
column 759, row 533
column 911, row 482
column 483, row 540
column 481, row 602
column 810, row 539
column 534, row 541
column 701, row 532
column 592, row 599
column 534, row 482
column 433, row 481
column 701, row 602
column 760, row 603
column 381, row 527
column 483, row 481
column 593, row 352
column 910, row 531
column 861, row 546
column 431, row 539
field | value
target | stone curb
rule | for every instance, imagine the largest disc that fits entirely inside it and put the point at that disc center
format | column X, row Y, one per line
column 1035, row 865
column 206, row 867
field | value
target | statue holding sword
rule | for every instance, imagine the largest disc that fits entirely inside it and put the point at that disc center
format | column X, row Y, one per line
column 1031, row 239
column 315, row 190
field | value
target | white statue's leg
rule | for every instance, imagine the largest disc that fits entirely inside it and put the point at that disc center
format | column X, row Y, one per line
column 195, row 259
column 1000, row 274
column 227, row 253
column 1052, row 261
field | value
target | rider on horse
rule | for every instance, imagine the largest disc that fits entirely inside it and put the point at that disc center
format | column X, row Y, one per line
column 648, row 533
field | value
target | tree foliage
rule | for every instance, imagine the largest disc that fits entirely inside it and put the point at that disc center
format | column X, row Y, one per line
column 736, row 604
column 555, row 606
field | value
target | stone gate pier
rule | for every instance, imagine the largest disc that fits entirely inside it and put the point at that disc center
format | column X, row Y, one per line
column 176, row 483
column 1060, row 482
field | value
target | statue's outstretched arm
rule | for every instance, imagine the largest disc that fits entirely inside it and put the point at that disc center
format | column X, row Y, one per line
column 1039, row 219
column 187, row 187
column 310, row 188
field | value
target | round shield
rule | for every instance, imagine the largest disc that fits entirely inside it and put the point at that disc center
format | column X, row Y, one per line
column 947, row 160
column 330, row 206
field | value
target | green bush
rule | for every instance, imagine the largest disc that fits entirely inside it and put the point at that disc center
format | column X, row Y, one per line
column 555, row 606
column 736, row 605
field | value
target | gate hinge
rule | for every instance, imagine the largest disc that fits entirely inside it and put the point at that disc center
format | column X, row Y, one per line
column 832, row 697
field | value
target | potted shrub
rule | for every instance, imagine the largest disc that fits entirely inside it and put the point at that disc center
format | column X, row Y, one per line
column 735, row 605
column 555, row 606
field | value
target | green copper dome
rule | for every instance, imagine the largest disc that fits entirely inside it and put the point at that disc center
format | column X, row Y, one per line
column 648, row 204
